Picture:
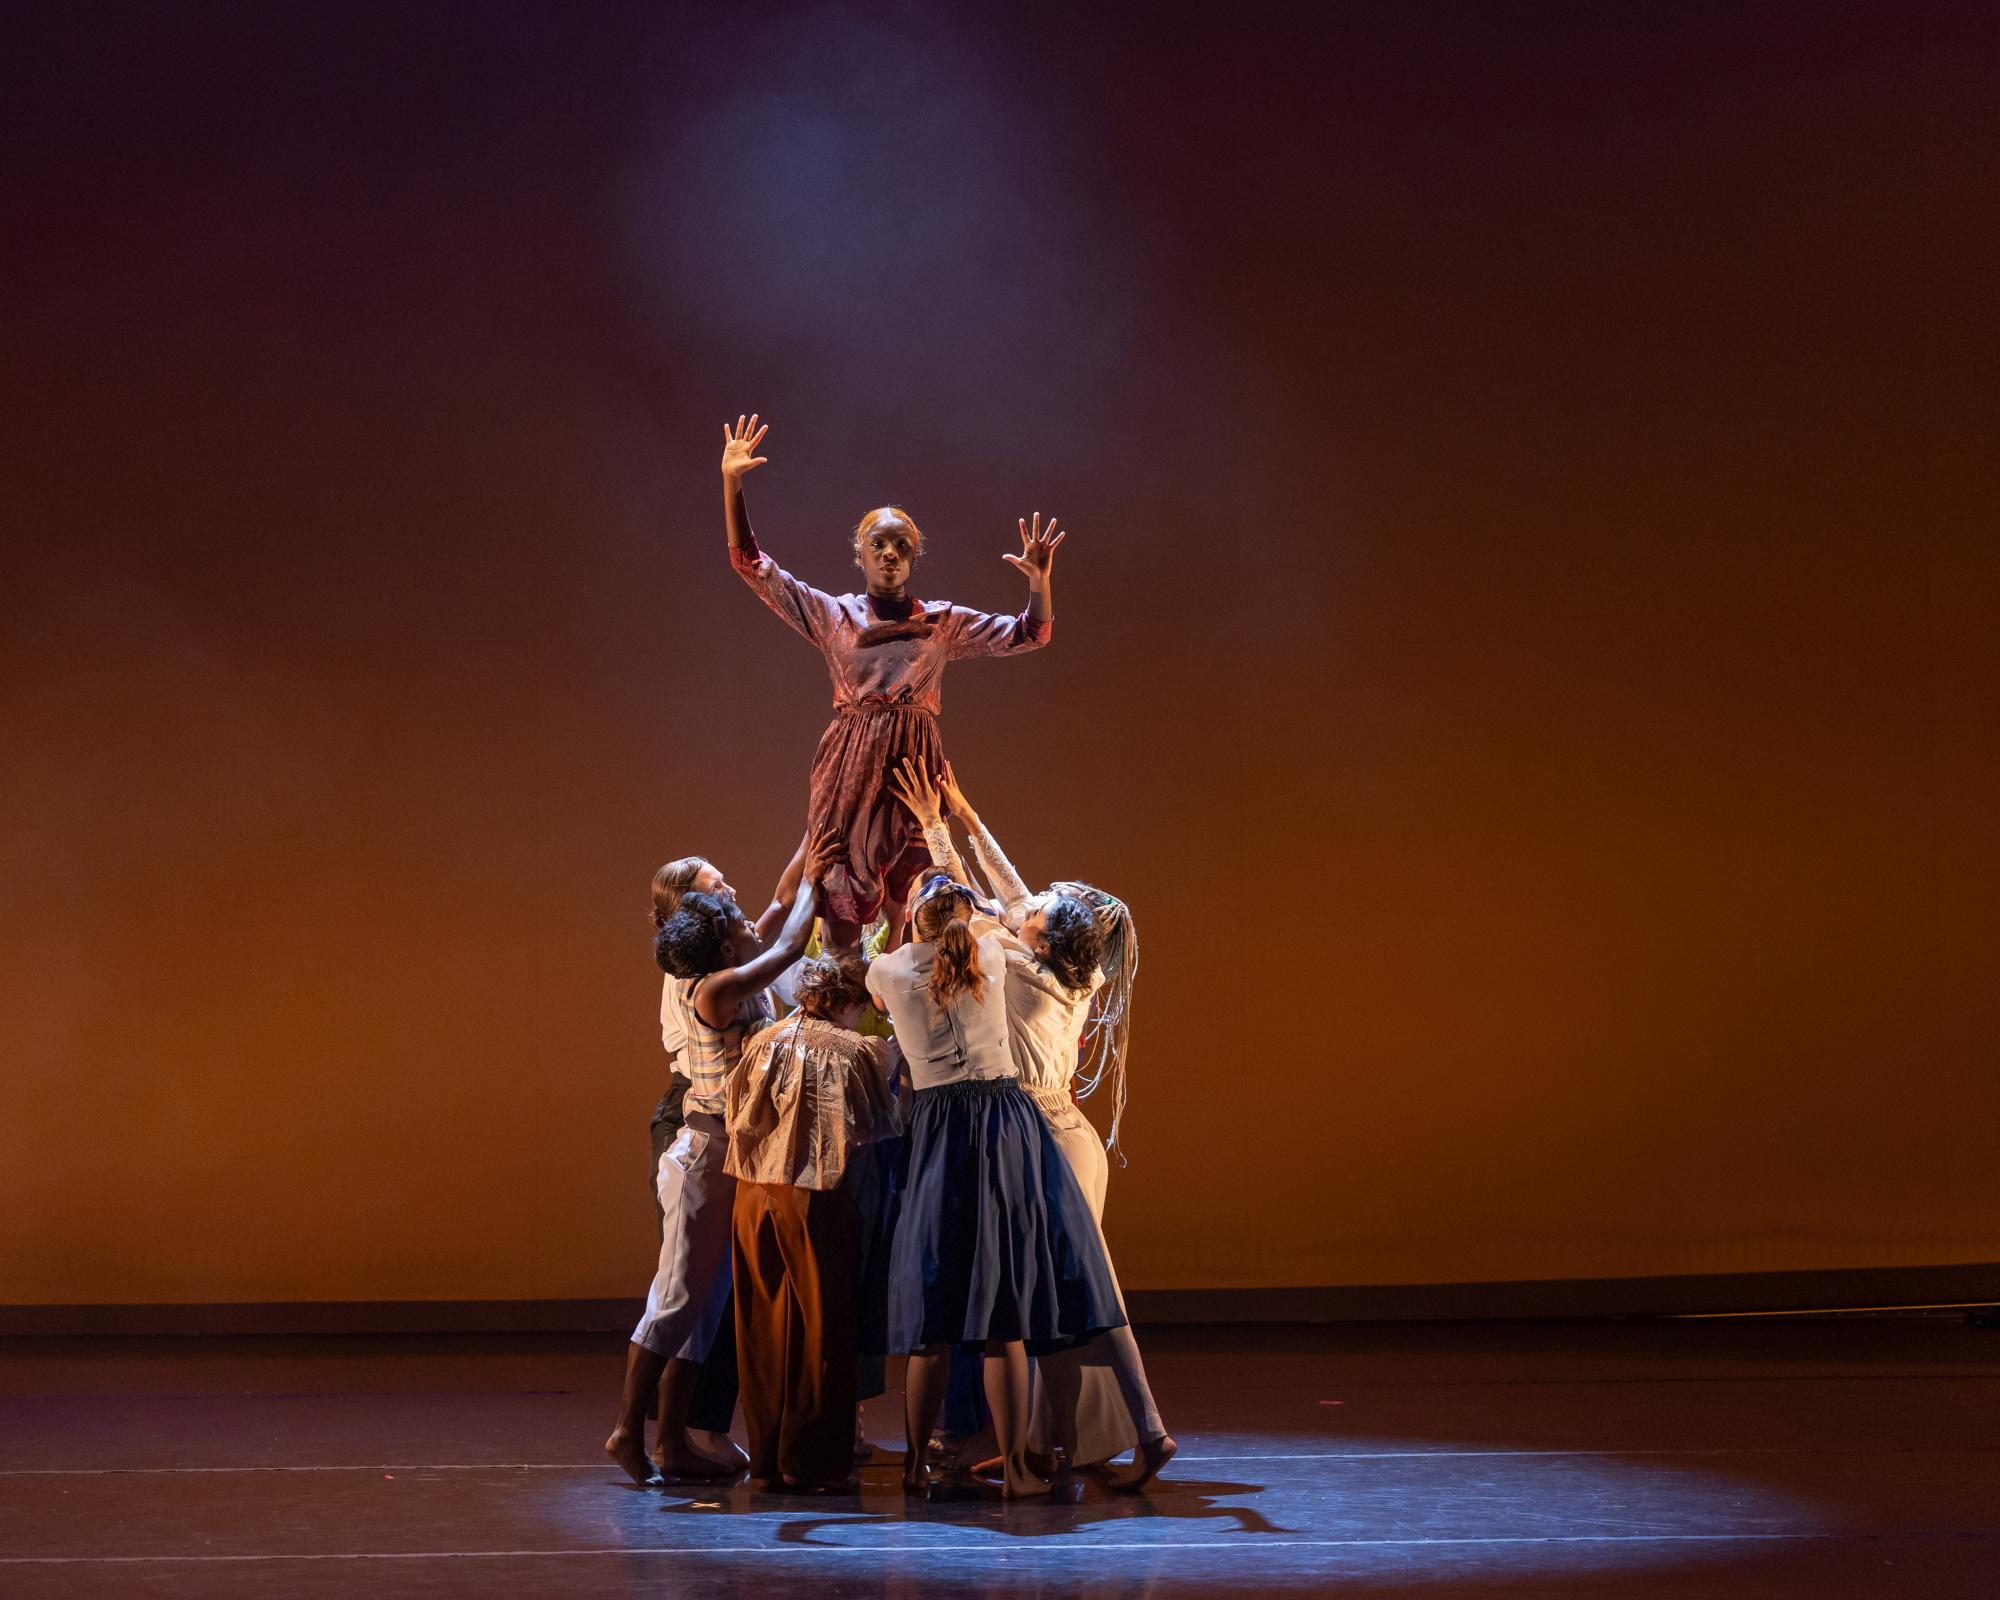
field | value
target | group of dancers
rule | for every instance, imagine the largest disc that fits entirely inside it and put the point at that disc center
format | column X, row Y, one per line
column 898, row 1165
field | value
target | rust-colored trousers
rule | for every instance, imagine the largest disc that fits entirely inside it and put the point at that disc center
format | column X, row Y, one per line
column 798, row 1268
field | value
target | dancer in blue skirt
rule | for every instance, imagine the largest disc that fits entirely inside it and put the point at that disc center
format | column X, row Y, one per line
column 996, row 1246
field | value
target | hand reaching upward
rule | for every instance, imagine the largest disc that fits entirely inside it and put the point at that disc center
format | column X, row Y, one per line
column 826, row 851
column 739, row 448
column 916, row 789
column 954, row 798
column 1038, row 550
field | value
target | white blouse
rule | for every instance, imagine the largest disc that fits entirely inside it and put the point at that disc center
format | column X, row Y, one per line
column 1044, row 1026
column 672, row 1034
column 950, row 1044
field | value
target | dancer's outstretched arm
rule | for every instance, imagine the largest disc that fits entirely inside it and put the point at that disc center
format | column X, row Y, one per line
column 1007, row 885
column 739, row 457
column 988, row 633
column 920, row 794
column 808, row 612
column 914, row 788
column 782, row 897
column 721, row 993
column 1038, row 561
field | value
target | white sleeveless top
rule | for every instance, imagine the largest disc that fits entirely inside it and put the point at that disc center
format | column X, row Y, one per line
column 951, row 1044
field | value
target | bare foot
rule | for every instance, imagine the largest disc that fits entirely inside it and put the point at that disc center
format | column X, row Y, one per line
column 688, row 1463
column 1147, row 1460
column 1017, row 1482
column 791, row 1485
column 625, row 1449
column 719, row 1448
column 1042, row 1465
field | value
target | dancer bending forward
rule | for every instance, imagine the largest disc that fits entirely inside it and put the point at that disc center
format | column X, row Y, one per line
column 995, row 1246
column 710, row 945
column 1071, row 956
column 886, row 653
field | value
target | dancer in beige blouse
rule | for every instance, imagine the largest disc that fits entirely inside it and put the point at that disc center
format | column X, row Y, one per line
column 807, row 1096
column 1071, row 956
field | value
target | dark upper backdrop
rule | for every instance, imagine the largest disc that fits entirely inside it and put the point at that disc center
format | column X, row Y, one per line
column 1526, row 647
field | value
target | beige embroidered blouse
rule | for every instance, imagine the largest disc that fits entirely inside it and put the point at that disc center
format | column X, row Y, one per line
column 804, row 1096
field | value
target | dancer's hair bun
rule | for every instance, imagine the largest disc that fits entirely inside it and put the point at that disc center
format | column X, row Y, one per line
column 693, row 942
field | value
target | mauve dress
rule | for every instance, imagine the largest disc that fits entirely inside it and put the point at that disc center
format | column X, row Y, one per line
column 886, row 695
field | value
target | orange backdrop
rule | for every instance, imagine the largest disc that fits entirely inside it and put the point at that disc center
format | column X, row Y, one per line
column 1526, row 650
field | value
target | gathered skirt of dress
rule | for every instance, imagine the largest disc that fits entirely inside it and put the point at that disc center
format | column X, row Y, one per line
column 995, row 1239
column 863, row 744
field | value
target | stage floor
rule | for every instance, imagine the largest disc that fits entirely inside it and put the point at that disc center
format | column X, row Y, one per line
column 1741, row 1459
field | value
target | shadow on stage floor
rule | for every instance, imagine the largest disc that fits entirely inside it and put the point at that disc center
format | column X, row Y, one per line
column 1615, row 1461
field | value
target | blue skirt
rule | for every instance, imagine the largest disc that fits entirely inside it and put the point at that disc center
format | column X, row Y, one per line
column 995, row 1239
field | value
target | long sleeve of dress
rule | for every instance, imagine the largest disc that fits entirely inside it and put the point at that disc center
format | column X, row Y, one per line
column 937, row 839
column 1000, row 873
column 809, row 612
column 989, row 633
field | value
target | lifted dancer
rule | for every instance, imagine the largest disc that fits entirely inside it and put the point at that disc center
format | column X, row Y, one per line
column 886, row 653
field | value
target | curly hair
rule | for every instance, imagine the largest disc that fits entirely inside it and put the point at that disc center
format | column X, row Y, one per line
column 828, row 985
column 1075, row 941
column 693, row 941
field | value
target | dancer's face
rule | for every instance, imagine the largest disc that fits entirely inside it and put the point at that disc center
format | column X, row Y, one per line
column 744, row 945
column 1034, row 927
column 887, row 553
column 709, row 880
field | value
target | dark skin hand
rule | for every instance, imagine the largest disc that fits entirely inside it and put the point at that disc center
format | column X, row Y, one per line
column 720, row 993
column 774, row 914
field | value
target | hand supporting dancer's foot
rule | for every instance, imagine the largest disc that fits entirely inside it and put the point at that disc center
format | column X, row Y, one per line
column 1147, row 1460
column 629, row 1451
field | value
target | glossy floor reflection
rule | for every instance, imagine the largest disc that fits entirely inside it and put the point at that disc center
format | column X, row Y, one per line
column 1747, row 1459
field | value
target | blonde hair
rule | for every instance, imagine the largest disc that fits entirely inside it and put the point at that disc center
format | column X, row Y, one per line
column 670, row 883
column 942, row 921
